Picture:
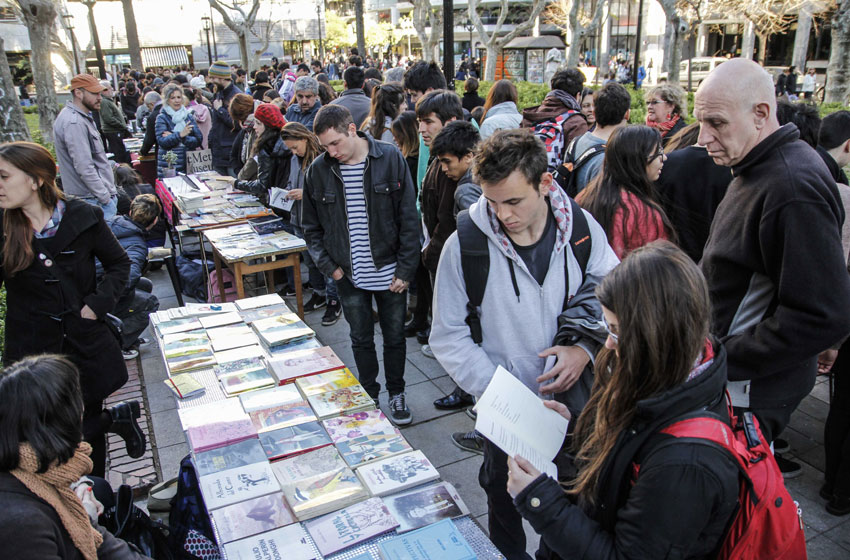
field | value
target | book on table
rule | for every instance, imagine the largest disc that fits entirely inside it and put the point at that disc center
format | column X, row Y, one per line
column 267, row 398
column 236, row 485
column 425, row 505
column 246, row 381
column 358, row 424
column 239, row 454
column 228, row 331
column 229, row 343
column 300, row 363
column 305, row 344
column 291, row 440
column 258, row 301
column 252, row 517
column 281, row 416
column 191, row 309
column 281, row 329
column 350, row 526
column 178, row 325
column 185, row 339
column 440, row 541
column 184, row 385
column 220, row 433
column 327, row 381
column 374, row 447
column 306, row 465
column 227, row 356
column 220, row 319
column 289, row 543
column 257, row 313
column 220, row 411
column 189, row 358
column 397, row 473
column 341, row 401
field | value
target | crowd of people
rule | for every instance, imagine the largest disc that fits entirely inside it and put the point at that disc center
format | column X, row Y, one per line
column 629, row 274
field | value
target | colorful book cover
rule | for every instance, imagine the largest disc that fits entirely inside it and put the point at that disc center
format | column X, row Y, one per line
column 252, row 517
column 341, row 401
column 228, row 331
column 286, row 543
column 267, row 398
column 440, row 541
column 188, row 359
column 238, row 354
column 239, row 366
column 236, row 485
column 358, row 424
column 373, row 447
column 239, row 454
column 294, row 439
column 219, row 434
column 306, row 465
column 425, row 505
column 188, row 339
column 351, row 525
column 258, row 301
column 305, row 362
column 240, row 382
column 194, row 309
column 178, row 325
column 252, row 315
column 305, row 344
column 327, row 381
column 219, row 319
column 290, row 414
column 281, row 329
column 397, row 473
column 323, row 493
column 184, row 385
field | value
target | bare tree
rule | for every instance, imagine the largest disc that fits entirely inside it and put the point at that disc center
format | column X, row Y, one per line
column 424, row 15
column 40, row 17
column 360, row 29
column 493, row 41
column 838, row 71
column 265, row 35
column 577, row 18
column 768, row 17
column 13, row 126
column 130, row 28
column 239, row 22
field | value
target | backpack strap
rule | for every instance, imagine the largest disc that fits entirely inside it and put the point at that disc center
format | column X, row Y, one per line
column 580, row 240
column 587, row 155
column 475, row 264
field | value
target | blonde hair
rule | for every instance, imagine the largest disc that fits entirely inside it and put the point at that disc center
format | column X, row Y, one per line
column 672, row 94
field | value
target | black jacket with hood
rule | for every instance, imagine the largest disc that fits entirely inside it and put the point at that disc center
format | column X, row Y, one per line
column 273, row 160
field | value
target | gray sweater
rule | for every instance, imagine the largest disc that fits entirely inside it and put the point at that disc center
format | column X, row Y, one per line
column 85, row 170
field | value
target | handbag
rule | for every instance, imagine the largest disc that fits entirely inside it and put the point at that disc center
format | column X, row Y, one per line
column 132, row 525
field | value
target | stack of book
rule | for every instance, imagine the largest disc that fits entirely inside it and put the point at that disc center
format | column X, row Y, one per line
column 302, row 363
column 363, row 437
column 187, row 351
column 281, row 329
column 243, row 375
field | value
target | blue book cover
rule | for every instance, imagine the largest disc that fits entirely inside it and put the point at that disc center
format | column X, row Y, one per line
column 440, row 541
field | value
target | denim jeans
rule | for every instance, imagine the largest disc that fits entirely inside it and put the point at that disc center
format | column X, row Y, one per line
column 392, row 307
column 322, row 285
column 109, row 209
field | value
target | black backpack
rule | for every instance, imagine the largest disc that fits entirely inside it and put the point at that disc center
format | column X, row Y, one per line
column 134, row 526
column 566, row 174
column 191, row 534
column 475, row 262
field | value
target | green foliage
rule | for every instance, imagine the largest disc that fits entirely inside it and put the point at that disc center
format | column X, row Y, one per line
column 529, row 94
column 35, row 132
column 337, row 31
column 828, row 108
column 30, row 109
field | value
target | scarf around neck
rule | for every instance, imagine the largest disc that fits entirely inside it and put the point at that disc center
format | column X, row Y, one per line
column 663, row 127
column 54, row 487
column 179, row 118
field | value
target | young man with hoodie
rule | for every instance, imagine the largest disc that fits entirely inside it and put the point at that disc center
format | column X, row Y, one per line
column 566, row 85
column 528, row 221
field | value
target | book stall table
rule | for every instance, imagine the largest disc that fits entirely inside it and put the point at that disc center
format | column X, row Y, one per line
column 293, row 458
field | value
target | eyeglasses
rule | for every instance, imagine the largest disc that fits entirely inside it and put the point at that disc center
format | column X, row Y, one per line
column 655, row 102
column 615, row 337
column 658, row 154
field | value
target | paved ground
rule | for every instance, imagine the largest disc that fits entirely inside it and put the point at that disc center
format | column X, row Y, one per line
column 828, row 536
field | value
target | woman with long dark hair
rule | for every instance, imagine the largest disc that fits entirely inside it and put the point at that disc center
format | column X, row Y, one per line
column 500, row 110
column 658, row 364
column 387, row 100
column 406, row 134
column 54, row 302
column 622, row 197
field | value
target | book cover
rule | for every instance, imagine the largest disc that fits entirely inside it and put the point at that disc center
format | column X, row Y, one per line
column 219, row 333
column 188, row 339
column 188, row 359
column 258, row 301
column 239, row 454
column 373, row 447
column 286, row 543
column 195, row 309
column 306, row 465
column 327, row 381
column 440, row 541
column 244, row 365
column 220, row 319
column 221, row 411
column 323, row 493
column 358, row 424
column 281, row 416
column 178, row 325
column 184, row 385
column 267, row 398
column 250, row 339
column 304, row 344
column 252, row 517
column 236, row 485
column 252, row 315
column 397, row 473
column 238, row 354
column 240, row 382
column 305, row 362
column 293, row 439
column 219, row 434
column 425, row 505
column 281, row 329
column 350, row 526
column 347, row 400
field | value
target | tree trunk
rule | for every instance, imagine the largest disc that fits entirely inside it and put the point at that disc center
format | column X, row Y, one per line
column 838, row 71
column 39, row 17
column 423, row 17
column 492, row 60
column 763, row 37
column 359, row 27
column 132, row 35
column 13, row 126
column 244, row 55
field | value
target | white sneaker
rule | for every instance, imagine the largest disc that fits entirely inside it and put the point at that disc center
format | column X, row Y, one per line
column 426, row 350
column 130, row 354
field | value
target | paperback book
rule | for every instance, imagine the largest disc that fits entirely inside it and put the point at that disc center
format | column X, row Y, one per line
column 440, row 541
column 258, row 301
column 182, row 360
column 267, row 398
column 220, row 319
column 222, row 411
column 236, row 485
column 289, row 543
column 324, row 493
column 191, row 309
column 239, row 454
column 220, row 333
column 284, row 349
column 188, row 339
column 252, row 315
column 178, row 325
column 281, row 329
column 184, row 385
column 222, row 344
column 294, row 439
column 306, row 465
column 341, row 401
column 351, row 525
column 281, row 416
column 240, row 382
column 358, row 424
column 305, row 362
column 252, row 517
column 244, row 365
column 397, row 473
column 425, row 505
column 327, row 381
column 373, row 447
column 218, row 434
column 238, row 354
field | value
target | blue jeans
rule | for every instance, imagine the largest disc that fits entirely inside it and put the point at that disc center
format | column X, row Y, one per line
column 322, row 285
column 392, row 307
column 109, row 209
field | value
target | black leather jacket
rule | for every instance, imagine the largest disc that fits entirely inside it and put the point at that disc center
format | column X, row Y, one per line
column 390, row 204
column 273, row 160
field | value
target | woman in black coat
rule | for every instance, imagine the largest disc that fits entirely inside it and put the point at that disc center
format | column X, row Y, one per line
column 54, row 302
column 272, row 154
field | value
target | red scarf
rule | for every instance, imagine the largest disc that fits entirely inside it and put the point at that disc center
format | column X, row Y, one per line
column 663, row 127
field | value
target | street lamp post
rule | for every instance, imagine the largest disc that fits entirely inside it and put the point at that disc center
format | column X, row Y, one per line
column 319, row 22
column 98, row 51
column 215, row 47
column 637, row 43
column 468, row 25
column 206, row 21
column 66, row 18
column 449, row 43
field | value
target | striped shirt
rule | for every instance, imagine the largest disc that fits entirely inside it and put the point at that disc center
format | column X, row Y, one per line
column 364, row 274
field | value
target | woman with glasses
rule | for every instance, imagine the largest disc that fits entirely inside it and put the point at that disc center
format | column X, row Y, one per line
column 665, row 110
column 622, row 197
column 633, row 497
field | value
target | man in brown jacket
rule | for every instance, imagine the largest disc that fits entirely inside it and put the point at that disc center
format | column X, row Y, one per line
column 566, row 85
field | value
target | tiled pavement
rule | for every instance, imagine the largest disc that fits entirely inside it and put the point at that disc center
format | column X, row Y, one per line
column 828, row 536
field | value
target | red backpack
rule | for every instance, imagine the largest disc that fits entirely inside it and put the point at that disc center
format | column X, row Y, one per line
column 768, row 523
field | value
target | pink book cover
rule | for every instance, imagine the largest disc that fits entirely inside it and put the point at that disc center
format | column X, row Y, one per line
column 219, row 434
column 288, row 414
column 358, row 424
column 305, row 362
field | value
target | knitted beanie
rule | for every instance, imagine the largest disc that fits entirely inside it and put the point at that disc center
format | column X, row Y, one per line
column 219, row 69
column 269, row 114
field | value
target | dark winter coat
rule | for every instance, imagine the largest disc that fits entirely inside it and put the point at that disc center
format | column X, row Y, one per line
column 437, row 203
column 680, row 124
column 150, row 131
column 471, row 100
column 679, row 506
column 222, row 134
column 295, row 114
column 172, row 142
column 390, row 205
column 44, row 316
column 131, row 236
column 273, row 161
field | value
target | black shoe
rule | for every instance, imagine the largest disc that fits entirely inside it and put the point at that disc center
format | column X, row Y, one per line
column 124, row 416
column 838, row 506
column 422, row 336
column 399, row 411
column 781, row 446
column 469, row 441
column 825, row 492
column 332, row 313
column 789, row 468
column 287, row 291
column 413, row 328
column 316, row 302
column 456, row 400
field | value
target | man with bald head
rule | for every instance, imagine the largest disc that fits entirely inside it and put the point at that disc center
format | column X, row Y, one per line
column 773, row 260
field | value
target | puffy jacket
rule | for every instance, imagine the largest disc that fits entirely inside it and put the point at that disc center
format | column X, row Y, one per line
column 174, row 143
column 273, row 159
column 677, row 506
column 501, row 116
column 131, row 236
column 390, row 204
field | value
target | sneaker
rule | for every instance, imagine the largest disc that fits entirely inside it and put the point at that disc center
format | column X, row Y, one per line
column 469, row 441
column 286, row 291
column 130, row 354
column 316, row 302
column 399, row 412
column 471, row 413
column 142, row 341
column 781, row 446
column 332, row 313
column 427, row 352
column 789, row 468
